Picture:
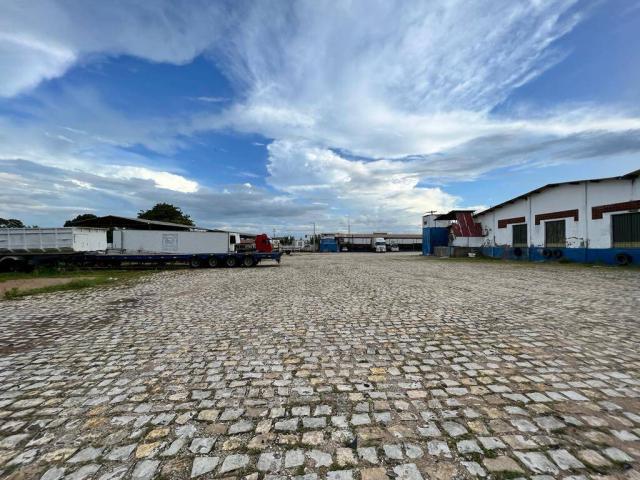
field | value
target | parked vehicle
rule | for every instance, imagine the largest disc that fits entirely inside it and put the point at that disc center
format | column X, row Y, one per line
column 23, row 249
column 394, row 247
column 52, row 240
column 380, row 245
column 262, row 243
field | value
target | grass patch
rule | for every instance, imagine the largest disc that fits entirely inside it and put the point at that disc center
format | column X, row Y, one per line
column 79, row 279
column 561, row 263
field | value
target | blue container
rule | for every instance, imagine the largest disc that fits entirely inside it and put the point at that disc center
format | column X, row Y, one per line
column 434, row 237
column 328, row 245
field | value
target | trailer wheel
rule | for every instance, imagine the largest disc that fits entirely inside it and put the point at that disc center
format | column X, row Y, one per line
column 212, row 262
column 230, row 262
column 195, row 262
column 248, row 261
column 13, row 264
column 623, row 259
column 546, row 253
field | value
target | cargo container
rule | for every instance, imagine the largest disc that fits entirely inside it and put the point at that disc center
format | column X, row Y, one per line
column 52, row 240
column 174, row 242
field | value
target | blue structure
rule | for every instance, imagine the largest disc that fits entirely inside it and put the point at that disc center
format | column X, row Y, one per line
column 328, row 244
column 607, row 256
column 434, row 237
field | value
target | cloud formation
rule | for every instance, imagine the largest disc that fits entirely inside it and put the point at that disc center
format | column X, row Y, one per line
column 362, row 115
column 41, row 39
column 44, row 192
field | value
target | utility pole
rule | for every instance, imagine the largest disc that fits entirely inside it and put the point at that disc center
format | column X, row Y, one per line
column 348, row 225
column 314, row 236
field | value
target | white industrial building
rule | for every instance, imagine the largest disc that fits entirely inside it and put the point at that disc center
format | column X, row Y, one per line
column 585, row 220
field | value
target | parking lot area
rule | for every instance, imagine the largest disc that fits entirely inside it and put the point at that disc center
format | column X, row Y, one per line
column 337, row 366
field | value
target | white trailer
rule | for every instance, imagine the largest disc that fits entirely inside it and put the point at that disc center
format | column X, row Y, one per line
column 175, row 242
column 52, row 240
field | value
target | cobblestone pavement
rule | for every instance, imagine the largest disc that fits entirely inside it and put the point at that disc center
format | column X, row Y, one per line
column 343, row 366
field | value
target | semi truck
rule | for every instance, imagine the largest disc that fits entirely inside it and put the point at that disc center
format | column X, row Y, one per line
column 25, row 248
column 379, row 245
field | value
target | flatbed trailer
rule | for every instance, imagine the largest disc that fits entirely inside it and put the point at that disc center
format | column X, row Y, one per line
column 26, row 261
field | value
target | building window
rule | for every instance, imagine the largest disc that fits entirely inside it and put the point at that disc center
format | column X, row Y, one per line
column 554, row 234
column 520, row 235
column 626, row 230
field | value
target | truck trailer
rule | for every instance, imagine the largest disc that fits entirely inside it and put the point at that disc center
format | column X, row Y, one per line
column 24, row 249
column 52, row 240
column 160, row 241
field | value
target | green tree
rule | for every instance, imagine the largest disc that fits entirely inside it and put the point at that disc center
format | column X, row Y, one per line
column 79, row 218
column 11, row 223
column 165, row 212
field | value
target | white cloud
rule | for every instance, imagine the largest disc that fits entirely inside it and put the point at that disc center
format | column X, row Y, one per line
column 379, row 192
column 351, row 79
column 41, row 39
column 166, row 180
column 26, row 61
column 56, row 194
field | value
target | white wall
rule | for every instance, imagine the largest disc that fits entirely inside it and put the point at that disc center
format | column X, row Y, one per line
column 563, row 197
column 603, row 193
column 503, row 236
column 430, row 221
column 582, row 196
column 467, row 242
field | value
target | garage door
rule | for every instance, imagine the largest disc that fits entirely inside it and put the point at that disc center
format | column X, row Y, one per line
column 626, row 230
column 554, row 234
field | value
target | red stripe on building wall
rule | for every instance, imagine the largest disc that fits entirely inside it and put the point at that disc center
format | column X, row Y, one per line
column 561, row 214
column 506, row 221
column 596, row 212
column 465, row 226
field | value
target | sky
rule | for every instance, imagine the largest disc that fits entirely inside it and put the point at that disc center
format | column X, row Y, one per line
column 277, row 115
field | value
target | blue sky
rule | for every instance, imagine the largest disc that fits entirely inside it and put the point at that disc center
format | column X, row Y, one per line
column 263, row 115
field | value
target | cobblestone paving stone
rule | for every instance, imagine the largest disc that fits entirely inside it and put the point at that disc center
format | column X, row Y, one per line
column 343, row 366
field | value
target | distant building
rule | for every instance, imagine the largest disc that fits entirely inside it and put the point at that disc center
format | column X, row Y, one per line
column 363, row 242
column 456, row 228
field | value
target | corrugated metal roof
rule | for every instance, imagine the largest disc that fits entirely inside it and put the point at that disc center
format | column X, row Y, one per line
column 628, row 176
column 415, row 236
column 452, row 215
column 110, row 220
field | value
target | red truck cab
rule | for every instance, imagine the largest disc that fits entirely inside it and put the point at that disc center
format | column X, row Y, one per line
column 263, row 243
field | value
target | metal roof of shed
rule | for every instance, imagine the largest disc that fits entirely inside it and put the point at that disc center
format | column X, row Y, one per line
column 628, row 176
column 117, row 221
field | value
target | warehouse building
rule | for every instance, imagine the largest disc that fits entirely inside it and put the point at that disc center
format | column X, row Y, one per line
column 595, row 220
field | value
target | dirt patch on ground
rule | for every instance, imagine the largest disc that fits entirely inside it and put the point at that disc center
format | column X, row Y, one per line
column 31, row 283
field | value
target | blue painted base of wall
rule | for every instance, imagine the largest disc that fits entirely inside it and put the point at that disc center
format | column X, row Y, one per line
column 581, row 255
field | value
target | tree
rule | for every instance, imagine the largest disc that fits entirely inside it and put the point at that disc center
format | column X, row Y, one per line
column 11, row 223
column 79, row 218
column 165, row 212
